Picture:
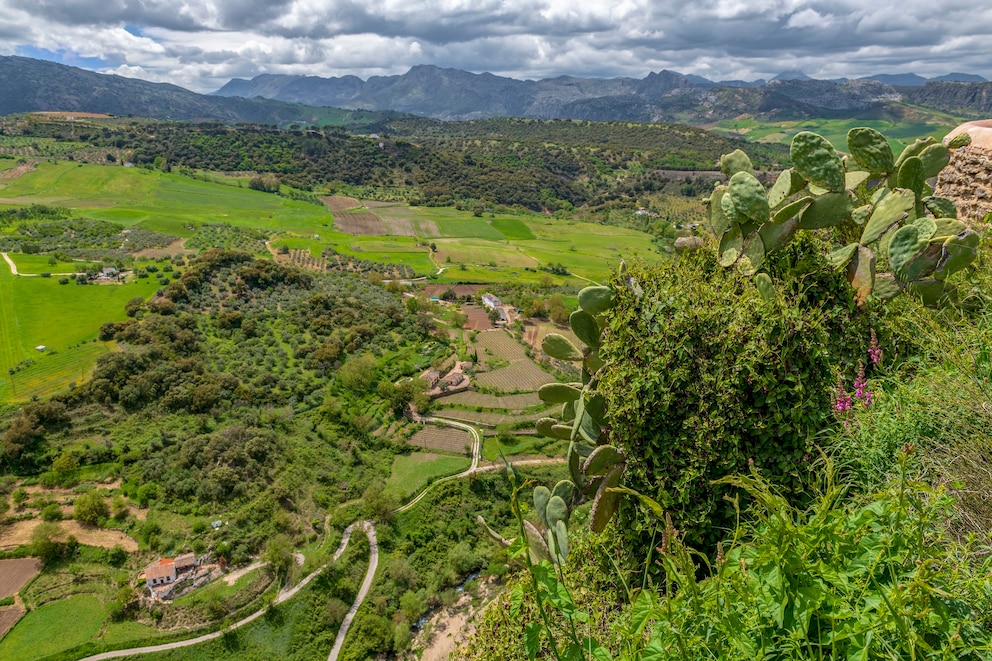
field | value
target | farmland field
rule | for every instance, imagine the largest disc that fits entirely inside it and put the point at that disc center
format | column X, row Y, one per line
column 899, row 134
column 340, row 203
column 158, row 201
column 359, row 222
column 413, row 472
column 447, row 439
column 501, row 345
column 493, row 418
column 508, row 402
column 77, row 619
column 64, row 318
column 521, row 376
column 15, row 574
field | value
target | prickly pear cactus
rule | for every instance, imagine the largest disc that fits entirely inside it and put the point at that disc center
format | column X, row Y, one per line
column 870, row 188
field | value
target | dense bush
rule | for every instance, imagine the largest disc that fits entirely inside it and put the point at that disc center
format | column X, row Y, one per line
column 705, row 377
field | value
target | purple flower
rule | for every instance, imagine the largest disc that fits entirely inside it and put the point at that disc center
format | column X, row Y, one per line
column 874, row 350
column 842, row 401
column 860, row 383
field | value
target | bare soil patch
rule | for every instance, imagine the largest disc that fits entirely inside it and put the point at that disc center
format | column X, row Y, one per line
column 107, row 539
column 460, row 290
column 448, row 439
column 17, row 171
column 478, row 318
column 340, row 203
column 361, row 223
column 399, row 226
column 177, row 247
column 9, row 615
column 15, row 574
column 379, row 204
column 19, row 534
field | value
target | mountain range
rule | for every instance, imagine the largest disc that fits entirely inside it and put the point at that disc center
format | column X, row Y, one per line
column 451, row 94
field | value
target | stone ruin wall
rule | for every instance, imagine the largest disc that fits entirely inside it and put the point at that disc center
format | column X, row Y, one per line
column 967, row 180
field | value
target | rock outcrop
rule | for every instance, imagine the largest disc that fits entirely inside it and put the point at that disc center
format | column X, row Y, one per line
column 967, row 180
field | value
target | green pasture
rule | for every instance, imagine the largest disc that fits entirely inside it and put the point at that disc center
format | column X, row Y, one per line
column 7, row 164
column 513, row 229
column 899, row 134
column 65, row 318
column 54, row 627
column 36, row 264
column 412, row 472
column 158, row 201
column 524, row 445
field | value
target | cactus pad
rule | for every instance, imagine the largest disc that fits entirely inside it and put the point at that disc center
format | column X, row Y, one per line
column 935, row 158
column 960, row 140
column 536, row 545
column 788, row 184
column 940, row 207
column 752, row 256
column 749, row 196
column 791, row 210
column 544, row 426
column 816, row 160
column 565, row 490
column 957, row 252
column 911, row 175
column 892, row 209
column 542, row 495
column 558, row 393
column 765, row 287
column 826, row 211
column 861, row 215
column 719, row 222
column 734, row 162
column 903, row 247
column 871, row 150
column 585, row 327
column 861, row 274
column 948, row 227
column 926, row 227
column 603, row 459
column 775, row 236
column 854, row 179
column 596, row 300
column 606, row 501
column 841, row 257
column 731, row 245
column 886, row 287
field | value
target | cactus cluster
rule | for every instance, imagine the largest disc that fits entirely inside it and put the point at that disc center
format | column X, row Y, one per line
column 902, row 224
column 595, row 468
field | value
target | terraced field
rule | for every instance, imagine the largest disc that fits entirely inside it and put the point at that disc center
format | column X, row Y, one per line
column 446, row 439
column 508, row 402
column 521, row 376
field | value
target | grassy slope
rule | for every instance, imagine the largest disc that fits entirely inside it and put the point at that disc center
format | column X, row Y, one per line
column 54, row 627
column 64, row 318
column 412, row 472
column 158, row 201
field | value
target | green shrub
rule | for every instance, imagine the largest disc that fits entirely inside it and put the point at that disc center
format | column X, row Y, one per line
column 833, row 581
column 704, row 377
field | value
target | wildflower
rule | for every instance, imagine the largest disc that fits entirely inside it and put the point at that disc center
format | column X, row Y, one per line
column 861, row 391
column 874, row 350
column 842, row 401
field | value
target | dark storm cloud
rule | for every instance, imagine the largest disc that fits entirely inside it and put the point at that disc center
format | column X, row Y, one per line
column 197, row 43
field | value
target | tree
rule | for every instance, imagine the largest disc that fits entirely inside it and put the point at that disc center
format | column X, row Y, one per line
column 458, row 319
column 46, row 542
column 279, row 555
column 358, row 374
column 90, row 508
column 494, row 315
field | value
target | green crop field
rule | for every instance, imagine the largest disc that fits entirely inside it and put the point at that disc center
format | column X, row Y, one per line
column 35, row 264
column 158, row 201
column 412, row 472
column 65, row 318
column 512, row 228
column 54, row 627
column 899, row 134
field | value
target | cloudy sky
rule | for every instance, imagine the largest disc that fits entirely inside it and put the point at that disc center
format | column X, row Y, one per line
column 201, row 44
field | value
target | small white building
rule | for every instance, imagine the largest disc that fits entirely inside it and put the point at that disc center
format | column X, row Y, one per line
column 160, row 573
column 491, row 301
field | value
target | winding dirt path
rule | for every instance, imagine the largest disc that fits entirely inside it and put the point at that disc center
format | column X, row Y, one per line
column 368, row 527
column 10, row 263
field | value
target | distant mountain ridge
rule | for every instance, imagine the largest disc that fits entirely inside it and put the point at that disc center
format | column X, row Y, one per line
column 453, row 94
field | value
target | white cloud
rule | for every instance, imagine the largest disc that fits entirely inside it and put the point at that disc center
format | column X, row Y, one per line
column 200, row 44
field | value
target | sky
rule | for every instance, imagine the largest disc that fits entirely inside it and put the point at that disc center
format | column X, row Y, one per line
column 202, row 44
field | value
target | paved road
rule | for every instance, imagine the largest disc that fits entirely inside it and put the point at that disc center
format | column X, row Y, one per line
column 368, row 527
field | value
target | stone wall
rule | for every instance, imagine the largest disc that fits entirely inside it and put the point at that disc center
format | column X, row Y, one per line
column 967, row 180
